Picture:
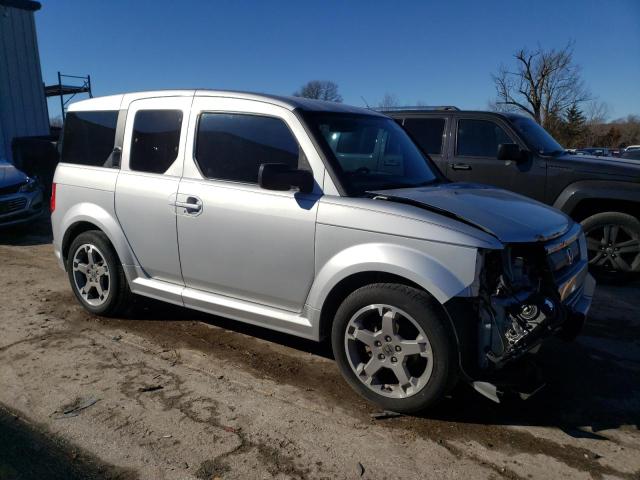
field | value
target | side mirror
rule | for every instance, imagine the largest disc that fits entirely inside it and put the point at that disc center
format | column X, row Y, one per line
column 510, row 151
column 279, row 176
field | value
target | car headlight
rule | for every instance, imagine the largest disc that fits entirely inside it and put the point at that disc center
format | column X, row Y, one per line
column 30, row 186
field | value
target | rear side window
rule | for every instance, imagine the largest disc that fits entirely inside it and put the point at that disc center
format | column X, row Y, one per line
column 480, row 138
column 427, row 132
column 155, row 140
column 233, row 146
column 89, row 137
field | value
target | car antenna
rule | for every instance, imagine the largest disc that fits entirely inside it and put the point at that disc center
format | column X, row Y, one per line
column 365, row 102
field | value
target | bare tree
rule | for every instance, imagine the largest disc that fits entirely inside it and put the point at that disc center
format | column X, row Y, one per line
column 543, row 83
column 320, row 90
column 597, row 112
column 389, row 100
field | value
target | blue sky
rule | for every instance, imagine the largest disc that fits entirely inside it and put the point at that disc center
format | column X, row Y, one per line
column 438, row 52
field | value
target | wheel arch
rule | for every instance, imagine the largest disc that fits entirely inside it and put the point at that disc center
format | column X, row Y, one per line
column 585, row 198
column 335, row 281
column 346, row 286
column 85, row 217
column 591, row 206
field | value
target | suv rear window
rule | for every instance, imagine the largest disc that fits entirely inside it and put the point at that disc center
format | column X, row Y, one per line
column 89, row 137
column 233, row 146
column 155, row 140
column 427, row 132
column 480, row 138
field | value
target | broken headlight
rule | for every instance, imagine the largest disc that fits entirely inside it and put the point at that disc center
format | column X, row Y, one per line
column 518, row 303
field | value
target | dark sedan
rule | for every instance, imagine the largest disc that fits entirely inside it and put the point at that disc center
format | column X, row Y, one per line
column 21, row 198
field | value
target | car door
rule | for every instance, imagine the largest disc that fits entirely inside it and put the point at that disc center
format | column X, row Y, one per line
column 429, row 134
column 147, row 185
column 237, row 239
column 473, row 158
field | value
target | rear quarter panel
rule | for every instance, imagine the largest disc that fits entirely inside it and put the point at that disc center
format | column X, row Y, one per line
column 86, row 194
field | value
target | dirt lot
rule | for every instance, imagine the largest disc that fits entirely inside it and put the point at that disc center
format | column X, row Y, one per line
column 175, row 394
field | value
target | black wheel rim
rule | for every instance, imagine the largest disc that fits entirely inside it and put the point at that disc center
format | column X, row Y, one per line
column 613, row 247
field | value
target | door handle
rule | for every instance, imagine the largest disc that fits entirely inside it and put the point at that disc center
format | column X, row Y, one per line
column 193, row 205
column 460, row 166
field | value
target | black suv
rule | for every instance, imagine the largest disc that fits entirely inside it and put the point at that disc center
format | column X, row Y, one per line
column 514, row 152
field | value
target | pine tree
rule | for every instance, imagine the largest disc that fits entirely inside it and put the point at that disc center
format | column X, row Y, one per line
column 574, row 127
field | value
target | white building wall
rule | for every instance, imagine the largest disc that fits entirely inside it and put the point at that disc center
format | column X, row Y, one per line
column 23, row 107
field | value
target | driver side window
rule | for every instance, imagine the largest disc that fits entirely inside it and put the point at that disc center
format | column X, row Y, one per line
column 232, row 146
column 480, row 138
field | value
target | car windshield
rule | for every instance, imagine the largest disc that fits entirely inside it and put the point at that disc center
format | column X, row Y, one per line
column 370, row 152
column 537, row 137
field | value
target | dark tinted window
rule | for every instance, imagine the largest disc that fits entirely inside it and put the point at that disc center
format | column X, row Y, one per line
column 89, row 137
column 427, row 132
column 233, row 146
column 480, row 138
column 154, row 144
column 537, row 137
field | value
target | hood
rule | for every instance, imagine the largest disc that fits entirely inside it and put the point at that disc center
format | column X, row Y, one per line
column 626, row 168
column 10, row 175
column 509, row 217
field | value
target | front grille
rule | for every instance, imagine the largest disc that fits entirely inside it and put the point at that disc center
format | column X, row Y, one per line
column 567, row 260
column 13, row 205
column 9, row 189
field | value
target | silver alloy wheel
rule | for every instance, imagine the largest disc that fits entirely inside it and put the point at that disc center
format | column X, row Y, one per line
column 388, row 351
column 91, row 274
column 613, row 246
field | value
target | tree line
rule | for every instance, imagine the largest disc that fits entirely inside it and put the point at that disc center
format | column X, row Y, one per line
column 548, row 86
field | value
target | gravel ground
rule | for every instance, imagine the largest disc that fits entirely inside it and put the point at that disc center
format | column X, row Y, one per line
column 175, row 394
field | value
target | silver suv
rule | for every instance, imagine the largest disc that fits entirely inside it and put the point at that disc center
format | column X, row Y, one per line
column 315, row 219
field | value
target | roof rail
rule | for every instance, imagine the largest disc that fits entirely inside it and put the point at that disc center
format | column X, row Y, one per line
column 416, row 108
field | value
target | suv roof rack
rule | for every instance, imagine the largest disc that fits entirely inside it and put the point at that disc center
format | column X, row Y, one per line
column 416, row 108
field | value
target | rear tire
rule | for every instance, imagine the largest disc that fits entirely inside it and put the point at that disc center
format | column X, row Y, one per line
column 96, row 275
column 613, row 244
column 393, row 345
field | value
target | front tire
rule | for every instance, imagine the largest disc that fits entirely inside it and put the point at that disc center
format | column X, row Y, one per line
column 96, row 275
column 613, row 244
column 393, row 346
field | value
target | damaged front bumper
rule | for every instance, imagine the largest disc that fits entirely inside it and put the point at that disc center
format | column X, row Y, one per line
column 520, row 377
column 527, row 293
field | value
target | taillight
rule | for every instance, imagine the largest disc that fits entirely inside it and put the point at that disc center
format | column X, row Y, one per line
column 52, row 205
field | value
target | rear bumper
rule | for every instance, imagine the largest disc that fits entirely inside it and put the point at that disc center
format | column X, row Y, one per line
column 58, row 255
